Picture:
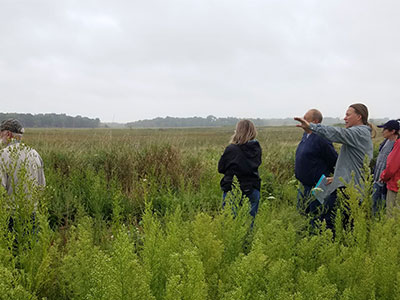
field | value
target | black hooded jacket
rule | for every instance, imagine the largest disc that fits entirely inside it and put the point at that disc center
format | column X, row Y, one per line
column 242, row 161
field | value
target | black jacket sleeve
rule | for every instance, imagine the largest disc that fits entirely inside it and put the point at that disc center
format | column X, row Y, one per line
column 222, row 163
column 329, row 155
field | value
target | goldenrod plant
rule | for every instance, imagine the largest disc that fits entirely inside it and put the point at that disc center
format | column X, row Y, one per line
column 138, row 214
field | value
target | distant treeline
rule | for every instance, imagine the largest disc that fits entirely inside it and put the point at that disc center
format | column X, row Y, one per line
column 64, row 121
column 212, row 121
column 52, row 120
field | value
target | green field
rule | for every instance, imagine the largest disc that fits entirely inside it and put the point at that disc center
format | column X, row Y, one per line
column 136, row 214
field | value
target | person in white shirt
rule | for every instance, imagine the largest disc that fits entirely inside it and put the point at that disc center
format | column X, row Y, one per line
column 18, row 160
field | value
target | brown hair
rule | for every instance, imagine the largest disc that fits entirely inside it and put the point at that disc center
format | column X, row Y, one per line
column 398, row 132
column 362, row 110
column 245, row 132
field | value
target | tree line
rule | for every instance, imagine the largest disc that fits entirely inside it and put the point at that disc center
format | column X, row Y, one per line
column 52, row 120
column 212, row 121
column 64, row 121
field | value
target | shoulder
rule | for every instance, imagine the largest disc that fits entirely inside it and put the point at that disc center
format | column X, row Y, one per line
column 28, row 151
column 397, row 145
column 32, row 153
column 231, row 148
column 395, row 153
column 362, row 129
column 387, row 145
column 319, row 139
column 6, row 151
column 4, row 154
column 316, row 137
column 254, row 143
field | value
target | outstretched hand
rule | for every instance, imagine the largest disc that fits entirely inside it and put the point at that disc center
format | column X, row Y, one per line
column 303, row 123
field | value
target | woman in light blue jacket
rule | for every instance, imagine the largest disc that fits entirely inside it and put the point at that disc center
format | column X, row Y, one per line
column 356, row 144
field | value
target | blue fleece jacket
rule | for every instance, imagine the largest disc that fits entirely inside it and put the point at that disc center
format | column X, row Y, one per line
column 315, row 156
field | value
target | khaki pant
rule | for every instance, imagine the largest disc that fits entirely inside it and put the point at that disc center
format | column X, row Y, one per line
column 391, row 202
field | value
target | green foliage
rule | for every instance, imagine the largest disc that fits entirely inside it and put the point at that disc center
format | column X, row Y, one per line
column 316, row 285
column 138, row 215
column 83, row 271
column 130, row 279
column 186, row 277
column 52, row 120
column 10, row 288
column 211, row 250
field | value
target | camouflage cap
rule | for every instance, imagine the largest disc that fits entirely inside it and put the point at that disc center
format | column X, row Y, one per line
column 12, row 125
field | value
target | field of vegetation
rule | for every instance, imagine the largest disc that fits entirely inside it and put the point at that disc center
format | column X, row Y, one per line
column 137, row 214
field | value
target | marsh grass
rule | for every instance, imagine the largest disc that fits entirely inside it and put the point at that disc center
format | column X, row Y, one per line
column 137, row 214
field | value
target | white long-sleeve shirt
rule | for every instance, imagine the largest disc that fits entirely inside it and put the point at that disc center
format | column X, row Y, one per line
column 18, row 160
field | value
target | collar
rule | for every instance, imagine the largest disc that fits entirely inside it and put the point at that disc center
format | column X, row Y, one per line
column 13, row 142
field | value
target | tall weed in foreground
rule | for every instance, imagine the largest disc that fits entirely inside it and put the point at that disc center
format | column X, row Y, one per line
column 189, row 259
column 315, row 285
column 183, row 245
column 186, row 277
column 268, row 270
column 88, row 272
column 80, row 262
column 132, row 281
column 356, row 258
column 234, row 223
column 172, row 260
column 384, row 248
column 25, row 241
column 153, row 257
column 86, row 269
column 11, row 286
column 205, row 237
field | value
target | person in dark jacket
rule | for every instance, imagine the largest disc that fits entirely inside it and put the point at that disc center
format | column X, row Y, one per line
column 356, row 140
column 242, row 159
column 315, row 156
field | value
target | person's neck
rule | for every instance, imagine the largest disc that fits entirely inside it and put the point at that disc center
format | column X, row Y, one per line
column 393, row 137
column 309, row 131
column 13, row 141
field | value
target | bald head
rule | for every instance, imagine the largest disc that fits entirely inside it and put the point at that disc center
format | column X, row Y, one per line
column 313, row 116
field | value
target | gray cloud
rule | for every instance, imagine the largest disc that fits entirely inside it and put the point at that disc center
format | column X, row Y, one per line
column 129, row 60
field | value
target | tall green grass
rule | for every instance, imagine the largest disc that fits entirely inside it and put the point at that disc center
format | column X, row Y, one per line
column 137, row 214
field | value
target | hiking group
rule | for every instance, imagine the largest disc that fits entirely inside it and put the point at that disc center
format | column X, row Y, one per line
column 316, row 156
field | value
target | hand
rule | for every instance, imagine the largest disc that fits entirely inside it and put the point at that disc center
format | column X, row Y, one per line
column 329, row 180
column 303, row 123
column 381, row 177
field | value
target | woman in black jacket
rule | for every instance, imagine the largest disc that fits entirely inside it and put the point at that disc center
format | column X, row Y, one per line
column 242, row 158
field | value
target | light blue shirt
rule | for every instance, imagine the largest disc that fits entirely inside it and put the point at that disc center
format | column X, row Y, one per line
column 357, row 143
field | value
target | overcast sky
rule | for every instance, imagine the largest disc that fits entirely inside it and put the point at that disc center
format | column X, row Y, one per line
column 129, row 60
